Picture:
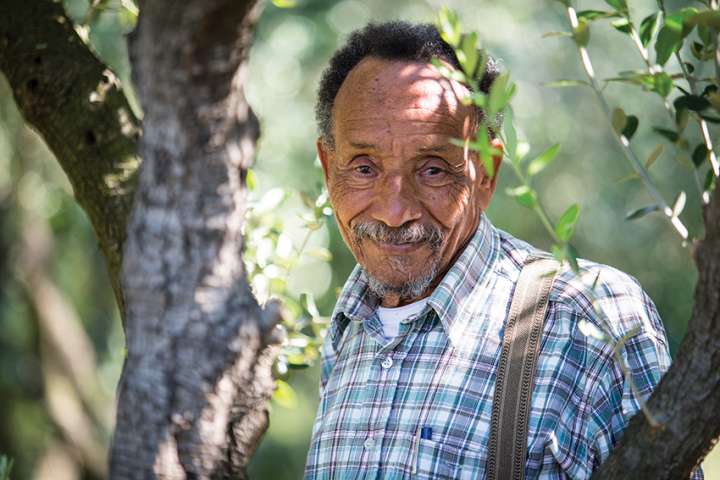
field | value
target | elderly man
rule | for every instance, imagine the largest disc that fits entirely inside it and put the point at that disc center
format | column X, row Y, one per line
column 410, row 360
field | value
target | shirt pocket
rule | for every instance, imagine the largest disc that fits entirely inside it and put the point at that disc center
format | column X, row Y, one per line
column 472, row 462
column 430, row 459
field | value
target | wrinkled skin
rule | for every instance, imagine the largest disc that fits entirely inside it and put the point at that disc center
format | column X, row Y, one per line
column 392, row 162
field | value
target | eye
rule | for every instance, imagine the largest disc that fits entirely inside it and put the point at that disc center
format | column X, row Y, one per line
column 364, row 170
column 433, row 171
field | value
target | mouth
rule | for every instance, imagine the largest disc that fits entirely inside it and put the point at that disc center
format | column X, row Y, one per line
column 398, row 248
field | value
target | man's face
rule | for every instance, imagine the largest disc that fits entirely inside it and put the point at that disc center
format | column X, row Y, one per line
column 406, row 200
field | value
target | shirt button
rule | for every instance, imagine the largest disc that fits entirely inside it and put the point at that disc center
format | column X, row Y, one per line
column 387, row 362
column 369, row 442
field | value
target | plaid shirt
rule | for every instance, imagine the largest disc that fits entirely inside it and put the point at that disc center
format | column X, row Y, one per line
column 439, row 372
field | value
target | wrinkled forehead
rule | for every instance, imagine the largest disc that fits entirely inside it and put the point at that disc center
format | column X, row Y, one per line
column 378, row 90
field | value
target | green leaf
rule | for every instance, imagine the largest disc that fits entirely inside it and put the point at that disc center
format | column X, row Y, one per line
column 706, row 19
column 619, row 5
column 647, row 28
column 657, row 151
column 448, row 24
column 631, row 125
column 468, row 54
column 524, row 195
column 307, row 301
column 622, row 25
column 710, row 181
column 641, row 212
column 285, row 395
column 682, row 115
column 566, row 83
column 250, row 179
column 543, row 160
column 695, row 103
column 285, row 3
column 697, row 49
column 671, row 135
column 566, row 253
column 662, row 84
column 591, row 15
column 482, row 145
column 618, row 119
column 700, row 155
column 705, row 34
column 714, row 98
column 571, row 255
column 501, row 91
column 669, row 39
column 566, row 224
column 510, row 135
column 581, row 34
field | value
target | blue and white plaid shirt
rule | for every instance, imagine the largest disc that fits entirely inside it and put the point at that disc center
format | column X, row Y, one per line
column 439, row 372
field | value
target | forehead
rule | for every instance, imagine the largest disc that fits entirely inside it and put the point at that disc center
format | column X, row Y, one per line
column 398, row 97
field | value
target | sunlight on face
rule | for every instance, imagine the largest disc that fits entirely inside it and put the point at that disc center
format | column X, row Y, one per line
column 393, row 166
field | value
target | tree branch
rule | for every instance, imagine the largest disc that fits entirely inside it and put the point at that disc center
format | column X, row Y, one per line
column 687, row 400
column 75, row 103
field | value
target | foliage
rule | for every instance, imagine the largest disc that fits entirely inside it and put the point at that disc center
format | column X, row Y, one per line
column 496, row 104
column 270, row 256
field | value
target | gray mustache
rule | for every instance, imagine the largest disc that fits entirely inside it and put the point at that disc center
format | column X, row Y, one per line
column 412, row 233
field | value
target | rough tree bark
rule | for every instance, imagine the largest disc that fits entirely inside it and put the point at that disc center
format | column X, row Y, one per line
column 687, row 401
column 74, row 101
column 197, row 379
column 197, row 376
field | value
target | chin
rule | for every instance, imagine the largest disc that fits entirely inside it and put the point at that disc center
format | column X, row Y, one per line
column 410, row 286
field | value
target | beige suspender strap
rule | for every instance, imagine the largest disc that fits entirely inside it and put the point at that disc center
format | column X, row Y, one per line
column 513, row 387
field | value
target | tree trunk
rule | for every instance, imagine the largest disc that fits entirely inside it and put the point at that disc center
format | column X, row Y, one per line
column 197, row 379
column 687, row 400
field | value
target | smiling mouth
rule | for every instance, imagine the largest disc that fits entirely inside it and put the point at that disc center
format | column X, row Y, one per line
column 398, row 248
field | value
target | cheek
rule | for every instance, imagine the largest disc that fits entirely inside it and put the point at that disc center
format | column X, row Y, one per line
column 449, row 205
column 347, row 202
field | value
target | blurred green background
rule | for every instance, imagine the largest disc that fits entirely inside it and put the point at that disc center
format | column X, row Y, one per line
column 54, row 288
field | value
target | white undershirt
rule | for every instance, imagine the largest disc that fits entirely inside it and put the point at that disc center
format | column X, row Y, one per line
column 391, row 317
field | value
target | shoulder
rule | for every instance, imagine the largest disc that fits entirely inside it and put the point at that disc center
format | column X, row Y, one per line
column 597, row 294
column 610, row 300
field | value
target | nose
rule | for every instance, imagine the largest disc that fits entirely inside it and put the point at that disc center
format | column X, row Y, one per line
column 395, row 202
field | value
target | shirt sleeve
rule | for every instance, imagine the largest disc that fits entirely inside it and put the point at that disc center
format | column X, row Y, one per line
column 638, row 357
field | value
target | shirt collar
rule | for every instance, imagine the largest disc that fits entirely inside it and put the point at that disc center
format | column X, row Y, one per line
column 357, row 303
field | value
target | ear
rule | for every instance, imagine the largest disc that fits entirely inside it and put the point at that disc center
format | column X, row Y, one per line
column 323, row 155
column 488, row 182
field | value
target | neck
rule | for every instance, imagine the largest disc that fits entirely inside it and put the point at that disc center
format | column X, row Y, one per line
column 393, row 300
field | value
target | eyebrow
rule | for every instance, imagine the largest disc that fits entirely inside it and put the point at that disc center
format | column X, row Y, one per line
column 363, row 146
column 434, row 149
